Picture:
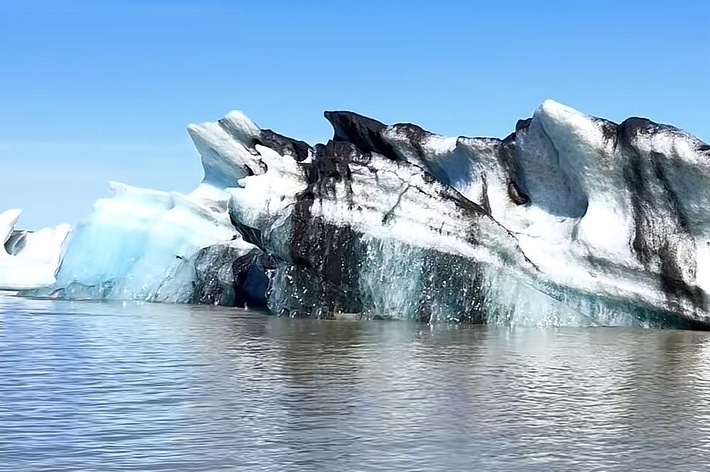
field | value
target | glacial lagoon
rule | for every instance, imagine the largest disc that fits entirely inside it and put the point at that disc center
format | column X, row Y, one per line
column 97, row 386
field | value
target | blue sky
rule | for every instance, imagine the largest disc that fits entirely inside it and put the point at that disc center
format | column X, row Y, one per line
column 103, row 90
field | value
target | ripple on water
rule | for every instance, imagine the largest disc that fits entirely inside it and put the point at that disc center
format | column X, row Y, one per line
column 103, row 386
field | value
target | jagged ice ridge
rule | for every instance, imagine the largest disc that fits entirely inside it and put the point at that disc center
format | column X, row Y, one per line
column 570, row 220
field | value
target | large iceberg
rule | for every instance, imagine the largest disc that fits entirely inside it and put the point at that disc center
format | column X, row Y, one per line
column 570, row 220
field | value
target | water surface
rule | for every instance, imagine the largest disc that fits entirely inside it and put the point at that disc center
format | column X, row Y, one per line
column 147, row 387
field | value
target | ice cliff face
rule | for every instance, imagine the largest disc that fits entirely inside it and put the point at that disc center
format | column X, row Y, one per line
column 142, row 244
column 570, row 220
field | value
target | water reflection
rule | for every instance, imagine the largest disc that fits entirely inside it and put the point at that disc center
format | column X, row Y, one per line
column 96, row 386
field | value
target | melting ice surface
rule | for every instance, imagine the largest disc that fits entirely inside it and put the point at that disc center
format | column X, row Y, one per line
column 139, row 245
column 29, row 259
column 570, row 220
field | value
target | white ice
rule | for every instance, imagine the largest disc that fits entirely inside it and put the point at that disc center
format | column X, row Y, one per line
column 29, row 260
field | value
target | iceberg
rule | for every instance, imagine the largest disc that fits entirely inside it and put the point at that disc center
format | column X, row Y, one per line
column 28, row 259
column 569, row 220
column 141, row 244
column 146, row 245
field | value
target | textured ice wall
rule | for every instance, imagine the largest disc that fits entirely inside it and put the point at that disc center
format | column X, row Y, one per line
column 569, row 220
column 617, row 210
column 606, row 221
column 140, row 245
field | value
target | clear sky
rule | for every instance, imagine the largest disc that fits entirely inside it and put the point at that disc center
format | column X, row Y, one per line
column 103, row 90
